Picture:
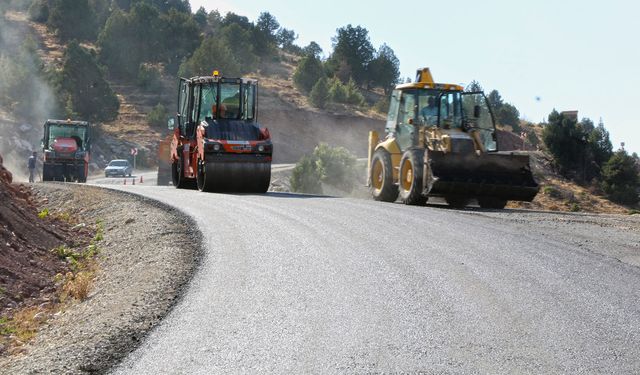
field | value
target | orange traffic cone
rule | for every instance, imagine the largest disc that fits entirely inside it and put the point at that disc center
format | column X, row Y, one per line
column 125, row 181
column 141, row 181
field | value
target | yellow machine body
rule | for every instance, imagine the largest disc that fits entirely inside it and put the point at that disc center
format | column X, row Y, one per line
column 446, row 138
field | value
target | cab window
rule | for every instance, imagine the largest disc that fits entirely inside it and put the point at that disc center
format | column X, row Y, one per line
column 484, row 123
column 229, row 100
column 183, row 103
column 392, row 115
column 450, row 111
column 249, row 101
column 406, row 130
column 428, row 105
column 207, row 101
column 407, row 108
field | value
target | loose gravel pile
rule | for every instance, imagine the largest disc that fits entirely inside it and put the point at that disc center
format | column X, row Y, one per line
column 147, row 256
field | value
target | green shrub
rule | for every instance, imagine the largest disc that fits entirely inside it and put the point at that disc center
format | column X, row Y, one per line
column 39, row 11
column 320, row 93
column 353, row 94
column 212, row 50
column 157, row 117
column 337, row 91
column 44, row 213
column 308, row 72
column 552, row 192
column 73, row 19
column 306, row 177
column 85, row 87
column 620, row 178
column 148, row 78
column 334, row 166
column 382, row 105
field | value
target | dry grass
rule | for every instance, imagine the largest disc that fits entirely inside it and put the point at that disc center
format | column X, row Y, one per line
column 26, row 322
column 77, row 286
column 22, row 327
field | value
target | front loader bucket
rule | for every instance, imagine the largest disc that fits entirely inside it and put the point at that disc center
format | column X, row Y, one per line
column 506, row 176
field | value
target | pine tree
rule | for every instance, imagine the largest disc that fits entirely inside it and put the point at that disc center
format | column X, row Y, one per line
column 308, row 72
column 620, row 178
column 83, row 83
column 320, row 93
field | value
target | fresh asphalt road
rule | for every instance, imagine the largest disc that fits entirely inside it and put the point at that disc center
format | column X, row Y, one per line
column 299, row 284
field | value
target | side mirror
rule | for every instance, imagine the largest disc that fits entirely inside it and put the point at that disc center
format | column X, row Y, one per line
column 171, row 123
column 476, row 111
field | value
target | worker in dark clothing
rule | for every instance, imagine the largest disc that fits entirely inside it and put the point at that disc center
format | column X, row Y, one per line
column 32, row 167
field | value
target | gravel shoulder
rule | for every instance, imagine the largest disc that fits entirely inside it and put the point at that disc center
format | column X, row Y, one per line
column 148, row 254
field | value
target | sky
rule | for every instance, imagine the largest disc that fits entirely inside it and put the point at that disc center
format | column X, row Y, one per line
column 540, row 55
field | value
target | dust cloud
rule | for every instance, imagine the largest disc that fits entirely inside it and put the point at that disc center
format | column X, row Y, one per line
column 26, row 98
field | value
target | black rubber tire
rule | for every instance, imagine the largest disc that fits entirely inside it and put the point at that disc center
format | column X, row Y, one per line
column 81, row 177
column 45, row 173
column 457, row 201
column 492, row 202
column 412, row 194
column 176, row 174
column 201, row 177
column 388, row 191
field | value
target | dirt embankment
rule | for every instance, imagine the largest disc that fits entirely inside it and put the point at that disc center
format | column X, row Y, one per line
column 27, row 264
column 145, row 258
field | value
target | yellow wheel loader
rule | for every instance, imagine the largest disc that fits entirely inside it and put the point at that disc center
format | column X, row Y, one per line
column 441, row 141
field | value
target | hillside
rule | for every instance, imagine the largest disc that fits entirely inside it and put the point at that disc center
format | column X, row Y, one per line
column 296, row 126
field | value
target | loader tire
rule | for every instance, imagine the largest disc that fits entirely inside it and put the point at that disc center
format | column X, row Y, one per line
column 410, row 177
column 492, row 202
column 456, row 201
column 381, row 176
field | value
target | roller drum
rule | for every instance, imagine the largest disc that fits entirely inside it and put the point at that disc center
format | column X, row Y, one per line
column 239, row 177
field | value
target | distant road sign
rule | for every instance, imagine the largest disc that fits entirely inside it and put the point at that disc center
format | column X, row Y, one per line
column 134, row 151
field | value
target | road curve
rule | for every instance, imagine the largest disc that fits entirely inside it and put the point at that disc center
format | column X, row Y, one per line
column 300, row 284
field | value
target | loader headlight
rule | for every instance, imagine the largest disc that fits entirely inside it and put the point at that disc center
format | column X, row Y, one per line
column 216, row 147
column 261, row 148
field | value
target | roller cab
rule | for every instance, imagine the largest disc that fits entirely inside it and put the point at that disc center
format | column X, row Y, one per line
column 218, row 145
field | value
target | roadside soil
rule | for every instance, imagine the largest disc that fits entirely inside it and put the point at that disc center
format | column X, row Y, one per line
column 28, row 265
column 146, row 257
